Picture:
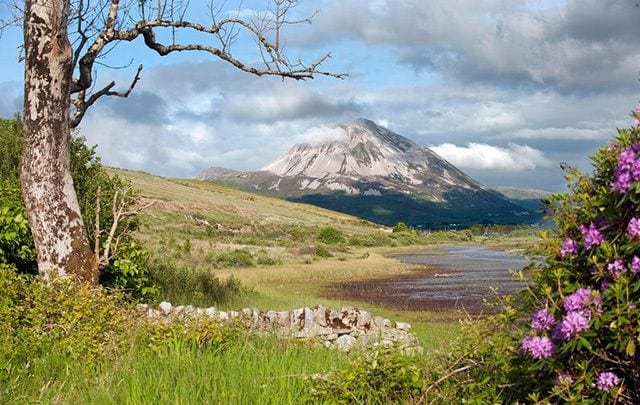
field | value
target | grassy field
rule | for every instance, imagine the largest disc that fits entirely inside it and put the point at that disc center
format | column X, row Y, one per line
column 282, row 258
column 272, row 246
column 282, row 255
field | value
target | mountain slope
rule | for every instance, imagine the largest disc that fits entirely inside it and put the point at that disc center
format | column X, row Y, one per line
column 376, row 174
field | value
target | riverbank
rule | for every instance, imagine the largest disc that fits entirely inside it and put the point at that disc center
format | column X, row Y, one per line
column 451, row 280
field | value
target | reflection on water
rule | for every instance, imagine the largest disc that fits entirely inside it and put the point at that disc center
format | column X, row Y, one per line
column 462, row 279
column 466, row 276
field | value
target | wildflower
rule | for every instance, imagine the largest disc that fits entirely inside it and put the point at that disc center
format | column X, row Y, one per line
column 569, row 247
column 539, row 347
column 622, row 181
column 572, row 324
column 633, row 228
column 542, row 320
column 635, row 265
column 564, row 380
column 582, row 299
column 592, row 236
column 607, row 380
column 616, row 268
column 627, row 171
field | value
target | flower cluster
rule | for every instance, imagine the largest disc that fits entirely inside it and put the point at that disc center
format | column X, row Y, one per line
column 583, row 338
column 539, row 347
column 569, row 248
column 607, row 380
column 626, row 172
column 633, row 228
column 592, row 236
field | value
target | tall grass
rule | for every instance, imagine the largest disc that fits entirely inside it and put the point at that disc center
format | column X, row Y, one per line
column 257, row 370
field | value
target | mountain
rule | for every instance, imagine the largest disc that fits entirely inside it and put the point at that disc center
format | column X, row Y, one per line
column 530, row 199
column 376, row 174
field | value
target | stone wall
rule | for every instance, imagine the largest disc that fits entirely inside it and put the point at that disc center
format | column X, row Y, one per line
column 340, row 329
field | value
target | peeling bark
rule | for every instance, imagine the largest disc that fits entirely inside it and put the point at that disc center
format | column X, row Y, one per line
column 60, row 237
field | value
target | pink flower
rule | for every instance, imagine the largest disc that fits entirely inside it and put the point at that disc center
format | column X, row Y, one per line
column 569, row 247
column 635, row 265
column 607, row 380
column 616, row 268
column 572, row 324
column 592, row 236
column 539, row 347
column 542, row 320
column 633, row 229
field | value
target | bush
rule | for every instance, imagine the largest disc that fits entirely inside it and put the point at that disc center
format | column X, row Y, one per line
column 59, row 317
column 584, row 328
column 192, row 286
column 384, row 375
column 235, row 258
column 401, row 227
column 330, row 235
column 16, row 243
column 96, row 190
column 322, row 251
column 575, row 336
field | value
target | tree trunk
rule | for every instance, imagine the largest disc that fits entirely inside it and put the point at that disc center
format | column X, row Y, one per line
column 59, row 234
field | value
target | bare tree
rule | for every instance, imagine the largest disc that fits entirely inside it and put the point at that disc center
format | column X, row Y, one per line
column 64, row 43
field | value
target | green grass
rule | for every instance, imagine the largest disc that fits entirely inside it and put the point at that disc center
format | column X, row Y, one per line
column 260, row 370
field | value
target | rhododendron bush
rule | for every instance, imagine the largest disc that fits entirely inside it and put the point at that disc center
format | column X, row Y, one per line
column 583, row 336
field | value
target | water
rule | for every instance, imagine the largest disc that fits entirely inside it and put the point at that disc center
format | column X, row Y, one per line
column 463, row 279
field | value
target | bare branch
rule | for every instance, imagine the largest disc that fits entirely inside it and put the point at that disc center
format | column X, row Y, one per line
column 81, row 105
column 171, row 16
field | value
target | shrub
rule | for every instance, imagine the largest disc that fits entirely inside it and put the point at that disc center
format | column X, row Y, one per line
column 16, row 243
column 235, row 258
column 192, row 286
column 129, row 272
column 59, row 317
column 401, row 227
column 573, row 337
column 322, row 251
column 384, row 375
column 263, row 259
column 584, row 327
column 330, row 235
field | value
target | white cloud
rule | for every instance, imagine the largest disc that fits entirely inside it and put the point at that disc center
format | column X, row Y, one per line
column 321, row 134
column 481, row 156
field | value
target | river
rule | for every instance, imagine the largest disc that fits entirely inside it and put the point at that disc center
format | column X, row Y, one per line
column 461, row 279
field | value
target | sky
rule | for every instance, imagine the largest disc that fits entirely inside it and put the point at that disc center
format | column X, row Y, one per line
column 506, row 90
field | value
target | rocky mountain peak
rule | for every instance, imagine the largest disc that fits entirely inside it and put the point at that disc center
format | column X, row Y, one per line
column 366, row 151
column 364, row 169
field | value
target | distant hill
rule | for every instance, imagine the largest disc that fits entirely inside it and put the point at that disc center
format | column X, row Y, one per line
column 376, row 174
column 530, row 199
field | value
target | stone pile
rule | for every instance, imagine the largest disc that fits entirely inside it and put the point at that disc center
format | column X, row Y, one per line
column 344, row 330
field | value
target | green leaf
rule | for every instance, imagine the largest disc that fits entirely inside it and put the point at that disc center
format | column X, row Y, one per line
column 631, row 348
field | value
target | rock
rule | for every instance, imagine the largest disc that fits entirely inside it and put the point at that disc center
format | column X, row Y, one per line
column 320, row 314
column 165, row 307
column 211, row 311
column 283, row 319
column 309, row 319
column 344, row 343
column 364, row 320
column 403, row 326
column 223, row 316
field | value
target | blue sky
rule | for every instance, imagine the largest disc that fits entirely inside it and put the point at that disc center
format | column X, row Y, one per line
column 504, row 89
